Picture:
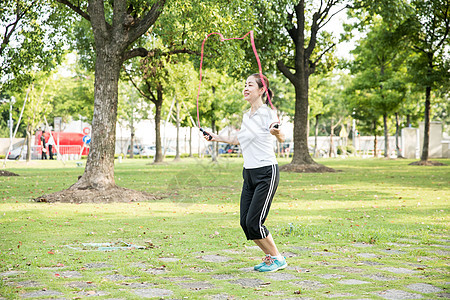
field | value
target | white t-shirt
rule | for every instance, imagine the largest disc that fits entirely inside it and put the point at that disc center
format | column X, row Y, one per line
column 256, row 140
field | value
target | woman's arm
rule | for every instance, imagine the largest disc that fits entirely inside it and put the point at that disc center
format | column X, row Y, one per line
column 233, row 140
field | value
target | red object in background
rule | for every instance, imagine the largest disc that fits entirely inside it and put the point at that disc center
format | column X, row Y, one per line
column 69, row 142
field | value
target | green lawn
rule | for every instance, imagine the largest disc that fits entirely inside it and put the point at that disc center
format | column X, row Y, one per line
column 373, row 215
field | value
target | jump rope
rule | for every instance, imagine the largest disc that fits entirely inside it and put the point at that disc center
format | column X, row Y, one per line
column 222, row 39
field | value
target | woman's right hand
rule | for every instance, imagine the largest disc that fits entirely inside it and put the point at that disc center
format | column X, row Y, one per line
column 209, row 136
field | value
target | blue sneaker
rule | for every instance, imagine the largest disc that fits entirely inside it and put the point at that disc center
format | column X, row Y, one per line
column 264, row 260
column 274, row 265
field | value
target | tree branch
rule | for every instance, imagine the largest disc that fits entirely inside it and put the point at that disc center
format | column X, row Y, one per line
column 142, row 52
column 322, row 25
column 286, row 72
column 76, row 9
column 140, row 27
column 19, row 16
column 134, row 84
column 323, row 53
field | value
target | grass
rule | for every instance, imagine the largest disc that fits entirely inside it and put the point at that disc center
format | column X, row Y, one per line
column 346, row 223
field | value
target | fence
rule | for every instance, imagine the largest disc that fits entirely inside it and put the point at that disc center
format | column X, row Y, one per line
column 66, row 152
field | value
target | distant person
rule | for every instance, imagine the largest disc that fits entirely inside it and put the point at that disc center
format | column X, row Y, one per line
column 44, row 149
column 50, row 143
column 261, row 174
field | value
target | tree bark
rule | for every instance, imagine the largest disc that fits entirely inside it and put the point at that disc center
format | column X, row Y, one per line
column 386, row 136
column 158, row 108
column 316, row 133
column 132, row 134
column 331, row 139
column 99, row 171
column 177, row 106
column 375, row 140
column 397, row 134
column 426, row 131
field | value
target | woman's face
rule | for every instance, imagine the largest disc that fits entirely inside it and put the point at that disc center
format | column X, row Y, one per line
column 251, row 90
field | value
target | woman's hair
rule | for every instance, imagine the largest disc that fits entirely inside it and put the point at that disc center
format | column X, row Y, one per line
column 261, row 85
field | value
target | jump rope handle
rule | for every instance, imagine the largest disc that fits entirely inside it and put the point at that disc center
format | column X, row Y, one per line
column 209, row 137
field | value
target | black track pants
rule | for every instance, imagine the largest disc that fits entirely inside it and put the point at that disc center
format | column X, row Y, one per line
column 258, row 190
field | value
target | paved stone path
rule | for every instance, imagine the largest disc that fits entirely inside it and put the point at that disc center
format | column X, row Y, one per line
column 345, row 276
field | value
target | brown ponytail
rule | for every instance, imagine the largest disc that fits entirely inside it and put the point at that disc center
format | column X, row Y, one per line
column 258, row 80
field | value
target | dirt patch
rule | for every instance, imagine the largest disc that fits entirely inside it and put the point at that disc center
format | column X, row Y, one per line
column 427, row 163
column 7, row 173
column 115, row 194
column 307, row 168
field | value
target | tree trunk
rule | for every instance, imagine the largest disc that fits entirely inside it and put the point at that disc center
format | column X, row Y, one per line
column 375, row 140
column 331, row 139
column 304, row 67
column 397, row 133
column 426, row 132
column 301, row 153
column 386, row 137
column 177, row 106
column 158, row 107
column 132, row 134
column 28, row 142
column 99, row 171
column 190, row 142
column 316, row 133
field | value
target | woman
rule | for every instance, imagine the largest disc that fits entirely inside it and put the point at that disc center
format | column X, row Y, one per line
column 260, row 172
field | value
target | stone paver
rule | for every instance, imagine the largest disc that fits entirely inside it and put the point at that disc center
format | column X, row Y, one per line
column 99, row 265
column 353, row 282
column 367, row 255
column 331, row 276
column 340, row 295
column 137, row 285
column 21, row 284
column 248, row 282
column 380, row 277
column 92, row 293
column 155, row 271
column 215, row 258
column 309, row 284
column 220, row 297
column 182, row 278
column 80, row 285
column 119, row 277
column 152, row 293
column 169, row 259
column 11, row 273
column 398, row 295
column 196, row 285
column 323, row 253
column 398, row 270
column 424, row 288
column 393, row 251
column 69, row 274
column 42, row 293
column 279, row 276
column 372, row 263
column 302, row 248
column 362, row 245
column 223, row 276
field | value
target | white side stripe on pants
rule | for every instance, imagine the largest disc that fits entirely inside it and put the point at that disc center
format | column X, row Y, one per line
column 266, row 203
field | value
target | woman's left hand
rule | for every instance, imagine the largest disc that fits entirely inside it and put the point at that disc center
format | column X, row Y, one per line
column 277, row 132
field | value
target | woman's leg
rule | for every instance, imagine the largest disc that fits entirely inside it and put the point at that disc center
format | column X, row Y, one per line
column 267, row 245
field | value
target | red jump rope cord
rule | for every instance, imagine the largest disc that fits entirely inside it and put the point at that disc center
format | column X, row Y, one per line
column 257, row 60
